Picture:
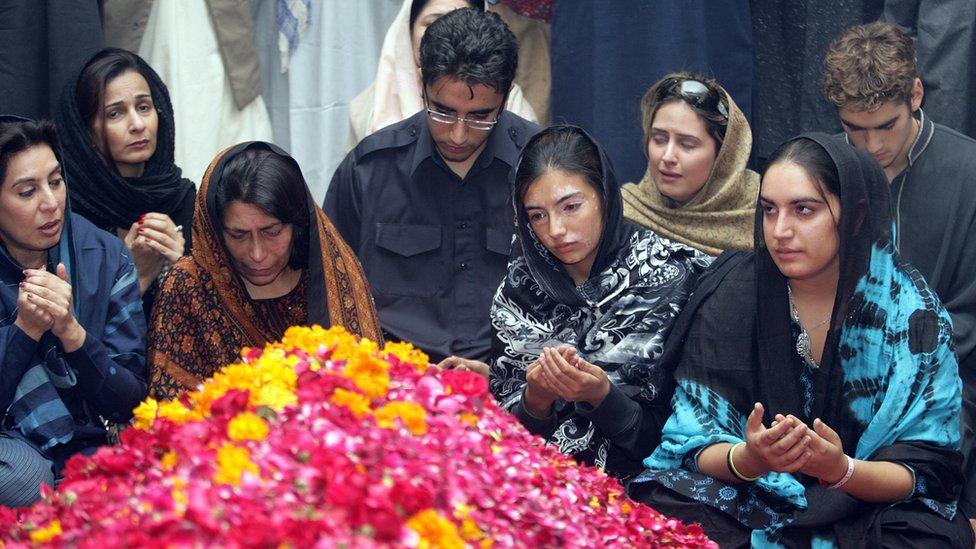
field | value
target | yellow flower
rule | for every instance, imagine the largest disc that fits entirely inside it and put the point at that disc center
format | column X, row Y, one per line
column 169, row 460
column 270, row 380
column 247, row 426
column 178, row 493
column 408, row 354
column 435, row 531
column 47, row 533
column 413, row 416
column 370, row 374
column 232, row 462
column 313, row 338
column 145, row 414
column 469, row 528
column 469, row 418
column 355, row 402
column 176, row 412
column 470, row 531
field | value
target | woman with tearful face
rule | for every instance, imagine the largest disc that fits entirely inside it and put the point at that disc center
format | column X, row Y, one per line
column 117, row 128
column 818, row 397
column 72, row 333
column 581, row 317
column 265, row 257
column 697, row 189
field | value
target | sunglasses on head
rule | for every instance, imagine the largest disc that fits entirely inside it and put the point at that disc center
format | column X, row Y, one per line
column 704, row 99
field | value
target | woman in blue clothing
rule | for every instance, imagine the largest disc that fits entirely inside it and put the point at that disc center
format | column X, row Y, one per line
column 72, row 331
column 818, row 395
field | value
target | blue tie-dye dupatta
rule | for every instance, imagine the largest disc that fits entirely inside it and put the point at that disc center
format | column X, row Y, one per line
column 890, row 385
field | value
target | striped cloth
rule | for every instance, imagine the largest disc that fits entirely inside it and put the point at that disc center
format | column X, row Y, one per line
column 292, row 17
column 22, row 471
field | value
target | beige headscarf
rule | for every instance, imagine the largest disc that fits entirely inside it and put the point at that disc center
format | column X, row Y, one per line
column 722, row 215
column 395, row 94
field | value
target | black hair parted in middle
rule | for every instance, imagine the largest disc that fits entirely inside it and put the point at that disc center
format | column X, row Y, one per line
column 473, row 46
column 559, row 148
column 274, row 185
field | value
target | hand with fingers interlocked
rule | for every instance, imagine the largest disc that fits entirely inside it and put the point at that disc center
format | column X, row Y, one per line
column 47, row 301
column 154, row 239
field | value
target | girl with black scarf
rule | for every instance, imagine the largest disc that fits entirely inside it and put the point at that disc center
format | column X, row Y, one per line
column 117, row 129
column 818, row 395
column 581, row 317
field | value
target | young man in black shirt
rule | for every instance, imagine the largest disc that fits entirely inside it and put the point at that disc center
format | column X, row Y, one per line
column 425, row 202
column 872, row 79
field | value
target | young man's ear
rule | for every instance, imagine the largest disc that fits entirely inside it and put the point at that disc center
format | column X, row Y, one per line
column 917, row 93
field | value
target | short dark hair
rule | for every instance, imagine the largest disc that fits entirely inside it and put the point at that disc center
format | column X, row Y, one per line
column 563, row 148
column 473, row 46
column 869, row 65
column 417, row 6
column 813, row 159
column 17, row 135
column 273, row 184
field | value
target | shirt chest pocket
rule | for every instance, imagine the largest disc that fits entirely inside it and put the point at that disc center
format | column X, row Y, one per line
column 408, row 261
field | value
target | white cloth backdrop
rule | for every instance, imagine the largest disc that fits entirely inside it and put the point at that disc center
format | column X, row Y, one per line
column 180, row 43
column 335, row 59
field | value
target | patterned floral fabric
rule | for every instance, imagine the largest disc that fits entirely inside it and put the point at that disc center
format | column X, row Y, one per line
column 197, row 345
column 630, row 307
column 206, row 315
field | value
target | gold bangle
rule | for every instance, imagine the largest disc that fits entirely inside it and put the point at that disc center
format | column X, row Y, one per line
column 735, row 472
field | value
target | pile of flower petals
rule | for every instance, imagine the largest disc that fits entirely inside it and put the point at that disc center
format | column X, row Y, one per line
column 325, row 440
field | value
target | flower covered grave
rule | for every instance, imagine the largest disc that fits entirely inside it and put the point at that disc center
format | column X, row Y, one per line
column 324, row 440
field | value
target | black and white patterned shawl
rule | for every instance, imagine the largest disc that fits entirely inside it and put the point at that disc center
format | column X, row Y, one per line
column 618, row 319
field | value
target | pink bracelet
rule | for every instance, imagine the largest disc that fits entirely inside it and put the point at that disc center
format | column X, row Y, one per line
column 847, row 475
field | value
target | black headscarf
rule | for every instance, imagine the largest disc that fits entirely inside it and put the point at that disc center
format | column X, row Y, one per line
column 548, row 272
column 865, row 219
column 97, row 190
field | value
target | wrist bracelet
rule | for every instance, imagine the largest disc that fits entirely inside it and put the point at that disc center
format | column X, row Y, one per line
column 735, row 472
column 847, row 475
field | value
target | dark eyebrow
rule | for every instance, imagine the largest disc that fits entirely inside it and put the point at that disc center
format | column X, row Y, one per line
column 569, row 196
column 266, row 227
column 446, row 109
column 795, row 201
column 23, row 180
column 879, row 126
column 679, row 134
column 122, row 101
column 55, row 169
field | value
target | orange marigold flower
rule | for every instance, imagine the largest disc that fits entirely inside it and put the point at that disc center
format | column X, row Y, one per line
column 355, row 402
column 169, row 460
column 247, row 426
column 232, row 462
column 435, row 531
column 407, row 353
column 412, row 416
column 145, row 414
column 370, row 374
column 175, row 411
column 46, row 533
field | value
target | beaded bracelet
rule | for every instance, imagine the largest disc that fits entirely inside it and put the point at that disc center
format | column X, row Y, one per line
column 735, row 472
column 847, row 475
